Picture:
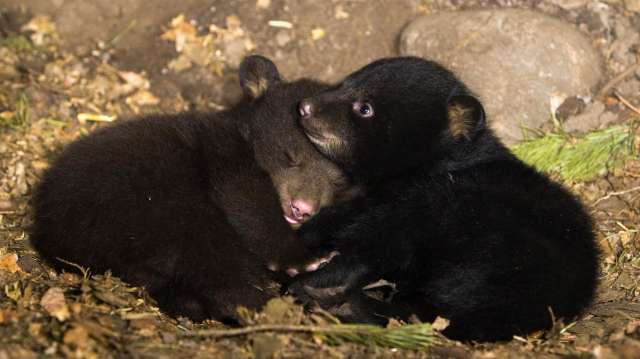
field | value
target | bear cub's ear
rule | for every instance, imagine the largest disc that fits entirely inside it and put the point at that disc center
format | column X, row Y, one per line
column 466, row 116
column 257, row 73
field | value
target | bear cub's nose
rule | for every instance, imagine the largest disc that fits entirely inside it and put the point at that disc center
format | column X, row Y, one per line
column 305, row 108
column 301, row 209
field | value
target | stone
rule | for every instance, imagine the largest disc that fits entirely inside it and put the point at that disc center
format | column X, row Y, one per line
column 570, row 4
column 571, row 106
column 594, row 117
column 515, row 60
column 282, row 38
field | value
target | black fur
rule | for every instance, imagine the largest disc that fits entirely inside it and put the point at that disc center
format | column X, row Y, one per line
column 188, row 205
column 465, row 230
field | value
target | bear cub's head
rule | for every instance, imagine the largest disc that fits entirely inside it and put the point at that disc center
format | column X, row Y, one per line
column 392, row 116
column 304, row 179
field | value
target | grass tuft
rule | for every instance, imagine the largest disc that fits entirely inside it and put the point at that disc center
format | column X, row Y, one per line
column 18, row 118
column 579, row 158
column 17, row 43
column 417, row 337
column 411, row 336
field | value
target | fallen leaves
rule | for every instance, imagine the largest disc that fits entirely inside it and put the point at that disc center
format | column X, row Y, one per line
column 142, row 98
column 263, row 4
column 8, row 62
column 42, row 28
column 145, row 327
column 219, row 47
column 233, row 41
column 340, row 13
column 191, row 47
column 13, row 291
column 317, row 33
column 440, row 324
column 9, row 263
column 77, row 336
column 7, row 316
column 54, row 303
column 78, row 343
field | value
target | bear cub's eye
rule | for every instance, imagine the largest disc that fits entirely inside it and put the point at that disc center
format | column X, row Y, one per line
column 363, row 109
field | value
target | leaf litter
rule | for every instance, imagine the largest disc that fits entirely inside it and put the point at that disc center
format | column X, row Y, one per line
column 50, row 97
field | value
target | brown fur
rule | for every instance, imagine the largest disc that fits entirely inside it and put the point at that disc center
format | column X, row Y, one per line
column 257, row 88
column 460, row 120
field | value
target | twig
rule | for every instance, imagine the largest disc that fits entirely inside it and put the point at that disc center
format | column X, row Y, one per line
column 627, row 103
column 619, row 78
column 114, row 40
column 84, row 271
column 567, row 327
column 520, row 339
column 221, row 333
column 619, row 193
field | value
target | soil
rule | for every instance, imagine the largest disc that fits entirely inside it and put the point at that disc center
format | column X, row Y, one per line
column 108, row 59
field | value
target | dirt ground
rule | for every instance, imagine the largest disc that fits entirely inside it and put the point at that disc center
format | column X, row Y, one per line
column 87, row 63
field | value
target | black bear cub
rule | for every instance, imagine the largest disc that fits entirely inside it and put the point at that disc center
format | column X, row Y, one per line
column 464, row 229
column 192, row 206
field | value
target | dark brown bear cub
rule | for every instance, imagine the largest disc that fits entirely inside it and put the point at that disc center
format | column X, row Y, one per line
column 464, row 229
column 192, row 206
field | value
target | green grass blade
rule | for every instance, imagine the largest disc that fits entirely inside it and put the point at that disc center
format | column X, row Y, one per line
column 579, row 158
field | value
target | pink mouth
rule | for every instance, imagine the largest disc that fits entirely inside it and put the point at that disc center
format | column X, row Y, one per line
column 291, row 220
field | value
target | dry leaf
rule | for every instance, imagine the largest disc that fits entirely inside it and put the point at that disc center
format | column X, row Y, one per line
column 134, row 79
column 35, row 329
column 77, row 336
column 145, row 327
column 181, row 32
column 7, row 115
column 9, row 263
column 13, row 291
column 54, row 303
column 191, row 47
column 440, row 324
column 263, row 4
column 7, row 316
column 317, row 33
column 40, row 165
column 142, row 98
column 180, row 63
column 340, row 14
column 42, row 27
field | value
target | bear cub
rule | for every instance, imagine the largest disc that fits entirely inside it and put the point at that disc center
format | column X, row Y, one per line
column 193, row 206
column 464, row 229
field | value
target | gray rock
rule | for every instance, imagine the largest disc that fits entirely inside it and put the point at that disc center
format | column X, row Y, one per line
column 621, row 52
column 571, row 106
column 282, row 38
column 515, row 60
column 570, row 4
column 593, row 117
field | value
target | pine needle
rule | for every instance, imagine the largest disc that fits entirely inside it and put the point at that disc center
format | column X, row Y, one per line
column 579, row 159
column 411, row 336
